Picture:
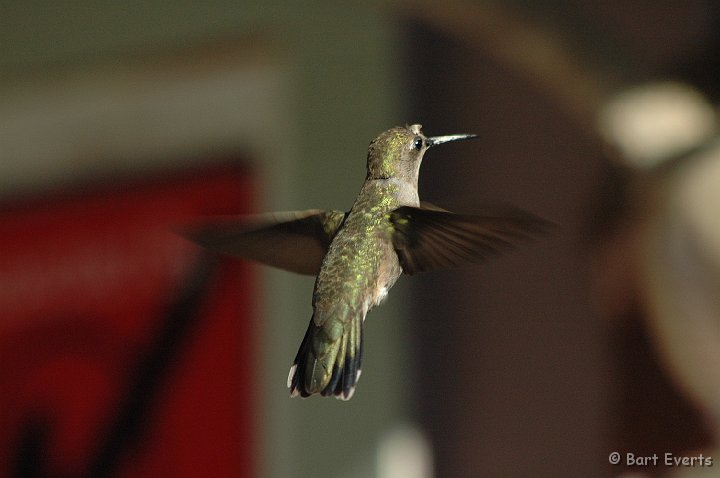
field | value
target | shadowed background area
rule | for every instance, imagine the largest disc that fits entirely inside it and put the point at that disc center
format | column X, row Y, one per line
column 123, row 353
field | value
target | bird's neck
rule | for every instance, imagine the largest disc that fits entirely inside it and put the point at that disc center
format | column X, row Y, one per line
column 384, row 195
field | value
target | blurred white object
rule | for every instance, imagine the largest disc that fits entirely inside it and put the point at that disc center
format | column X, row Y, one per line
column 680, row 266
column 404, row 453
column 677, row 247
column 655, row 122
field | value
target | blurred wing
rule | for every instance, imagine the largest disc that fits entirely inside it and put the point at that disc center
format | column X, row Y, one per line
column 427, row 238
column 295, row 241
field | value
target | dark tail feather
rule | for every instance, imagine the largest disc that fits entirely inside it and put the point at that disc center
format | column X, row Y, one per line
column 296, row 379
column 318, row 355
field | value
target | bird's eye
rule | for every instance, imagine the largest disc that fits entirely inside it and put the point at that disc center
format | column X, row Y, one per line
column 418, row 143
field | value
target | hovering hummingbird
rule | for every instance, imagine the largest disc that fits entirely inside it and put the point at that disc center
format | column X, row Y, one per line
column 358, row 255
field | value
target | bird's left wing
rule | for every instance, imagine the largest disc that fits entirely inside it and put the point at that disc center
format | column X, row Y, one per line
column 295, row 241
column 429, row 237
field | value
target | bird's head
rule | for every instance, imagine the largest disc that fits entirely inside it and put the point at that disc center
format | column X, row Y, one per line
column 398, row 152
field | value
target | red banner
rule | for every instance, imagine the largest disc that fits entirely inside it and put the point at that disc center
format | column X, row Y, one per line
column 125, row 350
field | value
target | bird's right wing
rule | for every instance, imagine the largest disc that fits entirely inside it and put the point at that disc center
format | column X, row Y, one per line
column 296, row 241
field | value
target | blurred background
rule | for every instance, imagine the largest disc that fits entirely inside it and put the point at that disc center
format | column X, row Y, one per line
column 125, row 351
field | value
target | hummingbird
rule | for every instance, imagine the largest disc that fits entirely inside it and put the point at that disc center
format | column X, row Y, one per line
column 357, row 256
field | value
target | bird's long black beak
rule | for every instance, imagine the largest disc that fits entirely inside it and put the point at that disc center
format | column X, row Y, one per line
column 434, row 141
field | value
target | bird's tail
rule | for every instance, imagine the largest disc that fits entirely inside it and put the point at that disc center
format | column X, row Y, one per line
column 329, row 359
